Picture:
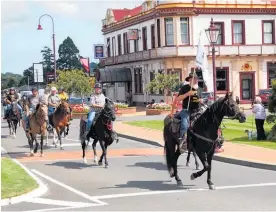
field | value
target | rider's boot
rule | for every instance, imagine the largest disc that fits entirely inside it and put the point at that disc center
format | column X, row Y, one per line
column 182, row 144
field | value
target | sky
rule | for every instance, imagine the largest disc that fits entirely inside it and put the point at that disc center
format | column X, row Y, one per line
column 21, row 42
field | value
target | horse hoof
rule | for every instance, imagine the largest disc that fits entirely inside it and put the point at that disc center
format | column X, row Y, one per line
column 188, row 164
column 179, row 183
column 106, row 166
column 41, row 155
column 95, row 160
column 14, row 136
column 32, row 154
column 171, row 173
column 100, row 163
column 84, row 161
column 61, row 147
column 212, row 187
column 192, row 177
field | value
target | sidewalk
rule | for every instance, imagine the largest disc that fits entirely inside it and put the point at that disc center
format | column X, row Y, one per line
column 233, row 151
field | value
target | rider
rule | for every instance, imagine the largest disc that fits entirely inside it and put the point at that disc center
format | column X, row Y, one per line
column 11, row 97
column 33, row 101
column 53, row 101
column 187, row 94
column 62, row 94
column 97, row 102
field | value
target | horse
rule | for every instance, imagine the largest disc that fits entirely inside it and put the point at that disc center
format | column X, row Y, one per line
column 59, row 120
column 203, row 135
column 13, row 118
column 37, row 126
column 101, row 131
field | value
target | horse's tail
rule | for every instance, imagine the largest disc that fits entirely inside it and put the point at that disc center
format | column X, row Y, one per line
column 168, row 147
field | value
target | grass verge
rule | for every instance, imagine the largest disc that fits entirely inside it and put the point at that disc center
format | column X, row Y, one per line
column 233, row 132
column 15, row 180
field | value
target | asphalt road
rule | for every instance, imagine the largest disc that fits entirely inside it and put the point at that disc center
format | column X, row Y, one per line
column 136, row 180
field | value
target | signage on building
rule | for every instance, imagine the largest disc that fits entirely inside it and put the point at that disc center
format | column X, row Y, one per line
column 246, row 67
column 133, row 34
column 38, row 72
column 50, row 77
column 98, row 51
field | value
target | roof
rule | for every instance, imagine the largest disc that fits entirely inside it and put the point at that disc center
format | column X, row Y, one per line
column 120, row 14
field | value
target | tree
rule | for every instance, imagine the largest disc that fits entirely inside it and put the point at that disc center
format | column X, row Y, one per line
column 69, row 58
column 272, row 109
column 73, row 81
column 164, row 82
column 10, row 80
column 48, row 63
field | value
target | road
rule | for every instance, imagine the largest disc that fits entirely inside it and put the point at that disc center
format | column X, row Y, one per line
column 136, row 180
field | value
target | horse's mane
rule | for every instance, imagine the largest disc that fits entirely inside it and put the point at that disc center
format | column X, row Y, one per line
column 61, row 108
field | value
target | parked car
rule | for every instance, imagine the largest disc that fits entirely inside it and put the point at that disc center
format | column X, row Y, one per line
column 208, row 98
column 265, row 94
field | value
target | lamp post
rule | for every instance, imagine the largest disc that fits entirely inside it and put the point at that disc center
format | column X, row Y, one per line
column 212, row 34
column 39, row 27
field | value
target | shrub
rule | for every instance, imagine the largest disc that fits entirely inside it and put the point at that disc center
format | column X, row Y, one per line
column 272, row 109
column 159, row 106
column 120, row 105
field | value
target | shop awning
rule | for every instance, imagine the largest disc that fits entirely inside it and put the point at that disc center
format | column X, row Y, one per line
column 115, row 75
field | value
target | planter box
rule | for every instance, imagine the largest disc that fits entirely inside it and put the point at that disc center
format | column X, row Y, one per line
column 127, row 110
column 78, row 115
column 152, row 112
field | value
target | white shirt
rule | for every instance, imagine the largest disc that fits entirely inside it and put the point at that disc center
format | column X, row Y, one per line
column 97, row 99
column 259, row 111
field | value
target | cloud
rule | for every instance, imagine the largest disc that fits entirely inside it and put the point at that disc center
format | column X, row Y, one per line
column 67, row 8
column 14, row 12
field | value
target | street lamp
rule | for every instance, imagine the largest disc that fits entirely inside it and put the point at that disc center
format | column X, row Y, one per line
column 39, row 27
column 212, row 34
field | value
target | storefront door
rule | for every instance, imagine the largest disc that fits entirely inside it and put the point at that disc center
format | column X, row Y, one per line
column 247, row 87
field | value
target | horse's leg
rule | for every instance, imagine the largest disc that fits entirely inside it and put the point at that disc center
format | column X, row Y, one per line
column 83, row 146
column 94, row 150
column 203, row 160
column 188, row 157
column 36, row 143
column 59, row 137
column 60, row 140
column 178, row 180
column 9, row 123
column 169, row 151
column 31, row 143
column 101, row 158
column 196, row 162
column 209, row 161
column 41, row 145
column 105, row 154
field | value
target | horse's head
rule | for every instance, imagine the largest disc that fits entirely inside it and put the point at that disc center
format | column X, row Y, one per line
column 42, row 109
column 109, row 110
column 14, row 107
column 232, row 109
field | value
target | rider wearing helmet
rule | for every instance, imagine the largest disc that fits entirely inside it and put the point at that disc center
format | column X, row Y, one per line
column 11, row 97
column 62, row 95
column 97, row 102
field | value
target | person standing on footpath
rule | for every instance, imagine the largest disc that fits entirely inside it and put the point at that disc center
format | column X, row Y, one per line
column 260, row 116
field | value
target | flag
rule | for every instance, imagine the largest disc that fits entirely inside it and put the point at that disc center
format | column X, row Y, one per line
column 202, row 63
column 85, row 64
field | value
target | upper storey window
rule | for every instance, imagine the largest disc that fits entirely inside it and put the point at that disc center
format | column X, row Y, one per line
column 169, row 31
column 184, row 28
column 238, row 33
column 268, row 32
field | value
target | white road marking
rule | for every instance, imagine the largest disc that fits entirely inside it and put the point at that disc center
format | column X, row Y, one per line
column 86, row 196
column 3, row 151
column 59, row 202
column 51, row 209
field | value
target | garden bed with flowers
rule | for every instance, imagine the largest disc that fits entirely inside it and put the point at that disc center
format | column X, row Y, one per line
column 158, row 109
column 79, row 111
column 122, row 108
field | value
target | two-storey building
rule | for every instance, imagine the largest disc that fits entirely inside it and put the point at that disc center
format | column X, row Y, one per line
column 168, row 34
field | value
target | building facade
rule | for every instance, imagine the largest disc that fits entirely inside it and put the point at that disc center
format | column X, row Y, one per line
column 168, row 35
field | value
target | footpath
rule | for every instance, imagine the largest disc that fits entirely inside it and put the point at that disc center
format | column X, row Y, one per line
column 239, row 154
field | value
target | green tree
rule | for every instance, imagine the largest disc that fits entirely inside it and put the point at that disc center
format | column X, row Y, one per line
column 11, row 82
column 272, row 109
column 48, row 64
column 11, row 79
column 69, row 58
column 164, row 82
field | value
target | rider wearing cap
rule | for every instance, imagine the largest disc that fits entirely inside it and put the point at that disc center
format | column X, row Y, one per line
column 53, row 101
column 97, row 102
column 11, row 97
column 62, row 95
column 188, row 95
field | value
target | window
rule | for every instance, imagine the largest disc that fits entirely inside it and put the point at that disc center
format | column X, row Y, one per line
column 222, row 79
column 138, row 80
column 113, row 47
column 220, row 25
column 152, row 76
column 108, row 46
column 184, row 28
column 158, row 33
column 238, row 32
column 152, row 36
column 271, row 73
column 144, row 35
column 126, row 46
column 119, row 45
column 169, row 31
column 136, row 47
column 198, row 72
column 268, row 32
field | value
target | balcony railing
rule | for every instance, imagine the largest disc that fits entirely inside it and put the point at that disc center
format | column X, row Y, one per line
column 190, row 51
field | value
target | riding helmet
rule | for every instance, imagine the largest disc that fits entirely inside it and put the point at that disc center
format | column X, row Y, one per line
column 34, row 89
column 61, row 89
column 12, row 89
column 98, row 85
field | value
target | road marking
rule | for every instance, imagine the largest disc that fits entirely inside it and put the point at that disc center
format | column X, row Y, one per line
column 3, row 151
column 86, row 196
column 51, row 209
column 59, row 202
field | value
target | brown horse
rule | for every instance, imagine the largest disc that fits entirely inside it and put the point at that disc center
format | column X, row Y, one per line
column 38, row 126
column 60, row 119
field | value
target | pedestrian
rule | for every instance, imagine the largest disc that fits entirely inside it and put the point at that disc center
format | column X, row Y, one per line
column 260, row 116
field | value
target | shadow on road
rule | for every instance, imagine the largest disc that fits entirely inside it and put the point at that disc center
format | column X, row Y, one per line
column 4, row 136
column 71, row 165
column 152, row 165
column 151, row 185
column 4, row 126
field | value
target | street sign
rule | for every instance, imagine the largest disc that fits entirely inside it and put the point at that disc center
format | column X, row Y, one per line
column 98, row 51
column 38, row 72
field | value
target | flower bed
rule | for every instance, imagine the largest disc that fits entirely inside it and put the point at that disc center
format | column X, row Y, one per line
column 158, row 109
column 122, row 108
column 79, row 111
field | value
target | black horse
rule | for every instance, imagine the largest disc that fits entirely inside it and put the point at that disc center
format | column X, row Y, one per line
column 101, row 130
column 13, row 118
column 203, row 136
